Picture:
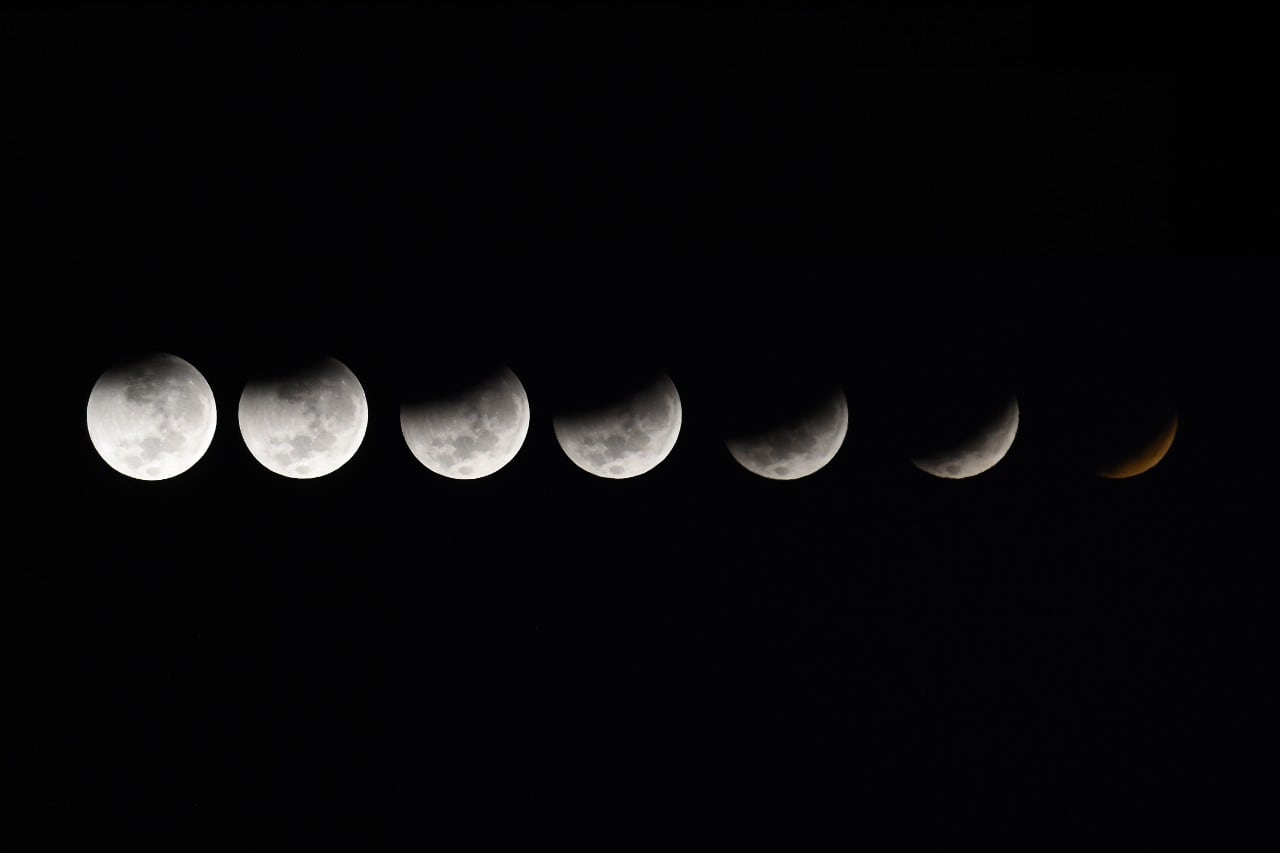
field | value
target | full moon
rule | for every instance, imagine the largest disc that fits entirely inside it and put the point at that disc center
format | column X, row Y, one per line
column 470, row 434
column 978, row 451
column 626, row 437
column 153, row 418
column 306, row 423
column 798, row 447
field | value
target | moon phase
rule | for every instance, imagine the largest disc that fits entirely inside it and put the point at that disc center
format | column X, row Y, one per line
column 307, row 422
column 626, row 436
column 796, row 447
column 977, row 450
column 1145, row 457
column 471, row 433
column 152, row 418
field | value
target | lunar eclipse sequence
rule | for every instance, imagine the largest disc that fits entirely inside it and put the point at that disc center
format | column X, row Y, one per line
column 153, row 418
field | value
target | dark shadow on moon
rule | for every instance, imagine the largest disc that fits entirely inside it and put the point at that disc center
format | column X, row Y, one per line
column 446, row 379
column 464, row 421
column 584, row 390
column 618, row 424
column 303, row 417
column 789, row 433
column 1115, row 433
column 300, row 365
column 939, row 419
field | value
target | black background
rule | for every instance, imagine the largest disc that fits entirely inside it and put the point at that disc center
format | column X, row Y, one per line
column 898, row 197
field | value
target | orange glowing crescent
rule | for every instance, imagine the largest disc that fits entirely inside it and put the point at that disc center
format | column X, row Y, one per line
column 1146, row 457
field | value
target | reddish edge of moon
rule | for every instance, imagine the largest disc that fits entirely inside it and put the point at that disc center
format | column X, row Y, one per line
column 1145, row 458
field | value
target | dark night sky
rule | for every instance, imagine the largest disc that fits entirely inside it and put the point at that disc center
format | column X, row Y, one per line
column 897, row 198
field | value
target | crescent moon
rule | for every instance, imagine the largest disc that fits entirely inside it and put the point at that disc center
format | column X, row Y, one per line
column 798, row 448
column 979, row 452
column 1146, row 457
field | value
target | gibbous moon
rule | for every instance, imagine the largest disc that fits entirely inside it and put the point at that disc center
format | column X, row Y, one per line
column 153, row 418
column 626, row 437
column 306, row 423
column 470, row 434
column 978, row 451
column 796, row 448
column 1145, row 457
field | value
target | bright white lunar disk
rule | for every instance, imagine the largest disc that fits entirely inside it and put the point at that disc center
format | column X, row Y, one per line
column 153, row 418
column 979, row 451
column 625, row 438
column 470, row 434
column 307, row 423
column 798, row 447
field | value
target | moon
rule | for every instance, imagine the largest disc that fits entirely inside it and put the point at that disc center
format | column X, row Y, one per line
column 976, row 452
column 626, row 437
column 796, row 448
column 306, row 423
column 153, row 418
column 1145, row 457
column 470, row 434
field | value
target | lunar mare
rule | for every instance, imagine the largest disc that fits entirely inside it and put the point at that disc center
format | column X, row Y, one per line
column 796, row 449
column 472, row 434
column 979, row 452
column 307, row 424
column 153, row 418
column 626, row 438
column 1146, row 457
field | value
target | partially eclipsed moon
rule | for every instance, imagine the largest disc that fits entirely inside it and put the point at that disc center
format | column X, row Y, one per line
column 626, row 438
column 306, row 424
column 977, row 453
column 153, row 418
column 1146, row 457
column 798, row 448
column 471, row 434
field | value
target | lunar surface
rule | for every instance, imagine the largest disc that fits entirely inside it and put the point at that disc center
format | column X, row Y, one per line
column 978, row 452
column 153, row 418
column 1146, row 457
column 305, row 424
column 795, row 449
column 625, row 438
column 471, row 434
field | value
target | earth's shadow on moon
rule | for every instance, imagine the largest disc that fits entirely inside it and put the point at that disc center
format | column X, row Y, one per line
column 940, row 415
column 582, row 390
column 755, row 397
column 303, row 415
column 463, row 419
column 1109, row 402
column 445, row 380
column 615, row 418
column 1110, row 426
column 274, row 367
